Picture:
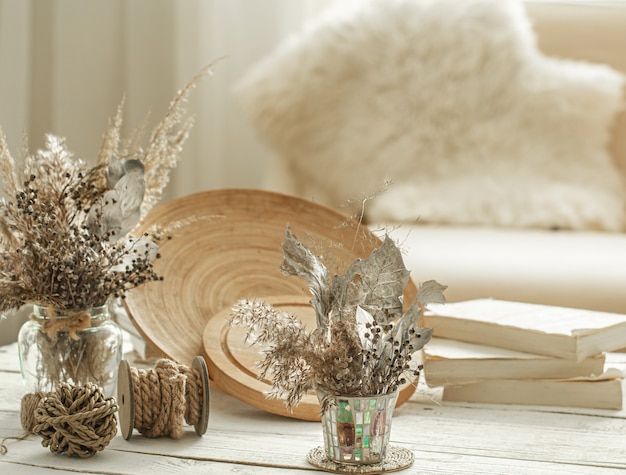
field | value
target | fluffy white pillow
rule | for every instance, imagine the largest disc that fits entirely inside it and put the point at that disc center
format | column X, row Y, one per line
column 451, row 101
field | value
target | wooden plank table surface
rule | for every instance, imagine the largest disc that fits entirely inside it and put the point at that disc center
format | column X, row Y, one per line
column 455, row 438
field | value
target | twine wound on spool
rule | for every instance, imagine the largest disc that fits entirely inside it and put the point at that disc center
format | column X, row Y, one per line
column 155, row 401
column 74, row 420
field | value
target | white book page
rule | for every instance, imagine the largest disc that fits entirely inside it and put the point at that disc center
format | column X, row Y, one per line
column 443, row 348
column 542, row 318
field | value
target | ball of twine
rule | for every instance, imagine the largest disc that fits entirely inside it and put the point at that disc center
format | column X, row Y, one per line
column 27, row 414
column 74, row 420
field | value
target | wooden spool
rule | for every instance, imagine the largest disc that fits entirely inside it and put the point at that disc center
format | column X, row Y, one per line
column 126, row 397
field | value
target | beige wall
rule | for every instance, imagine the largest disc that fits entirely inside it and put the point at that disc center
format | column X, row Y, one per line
column 66, row 64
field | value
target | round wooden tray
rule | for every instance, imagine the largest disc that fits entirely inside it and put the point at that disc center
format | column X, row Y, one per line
column 232, row 362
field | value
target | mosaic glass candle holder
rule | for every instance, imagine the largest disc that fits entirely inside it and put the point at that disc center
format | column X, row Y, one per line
column 356, row 429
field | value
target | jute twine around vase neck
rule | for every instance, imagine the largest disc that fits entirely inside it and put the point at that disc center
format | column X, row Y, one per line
column 72, row 321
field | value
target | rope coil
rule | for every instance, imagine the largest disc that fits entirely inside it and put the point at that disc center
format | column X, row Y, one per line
column 73, row 420
column 156, row 401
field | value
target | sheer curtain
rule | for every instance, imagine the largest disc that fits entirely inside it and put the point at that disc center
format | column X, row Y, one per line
column 65, row 65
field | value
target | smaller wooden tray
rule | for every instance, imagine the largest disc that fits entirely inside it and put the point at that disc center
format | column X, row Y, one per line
column 232, row 362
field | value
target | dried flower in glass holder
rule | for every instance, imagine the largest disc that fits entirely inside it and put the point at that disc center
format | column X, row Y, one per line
column 360, row 353
column 66, row 246
column 364, row 342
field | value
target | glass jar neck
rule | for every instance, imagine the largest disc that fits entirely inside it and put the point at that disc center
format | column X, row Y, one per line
column 46, row 313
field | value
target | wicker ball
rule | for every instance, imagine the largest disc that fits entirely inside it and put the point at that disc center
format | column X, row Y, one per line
column 76, row 420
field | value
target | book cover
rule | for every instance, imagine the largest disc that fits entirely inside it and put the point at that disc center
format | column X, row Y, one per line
column 451, row 362
column 541, row 329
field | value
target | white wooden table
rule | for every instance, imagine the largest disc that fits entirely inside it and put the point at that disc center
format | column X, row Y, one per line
column 451, row 439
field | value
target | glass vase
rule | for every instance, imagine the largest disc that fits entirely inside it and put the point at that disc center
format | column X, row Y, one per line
column 356, row 429
column 73, row 347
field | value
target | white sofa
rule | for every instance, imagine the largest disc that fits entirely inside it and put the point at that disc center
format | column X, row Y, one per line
column 585, row 269
column 580, row 267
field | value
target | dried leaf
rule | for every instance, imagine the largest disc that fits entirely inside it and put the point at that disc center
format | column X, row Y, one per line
column 364, row 320
column 299, row 261
column 117, row 211
column 420, row 338
column 376, row 284
column 427, row 293
column 431, row 291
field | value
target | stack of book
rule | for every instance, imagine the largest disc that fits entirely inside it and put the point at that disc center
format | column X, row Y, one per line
column 496, row 351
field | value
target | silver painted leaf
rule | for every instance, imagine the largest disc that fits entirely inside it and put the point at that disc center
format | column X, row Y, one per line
column 363, row 318
column 431, row 291
column 114, row 171
column 299, row 261
column 375, row 283
column 420, row 338
column 428, row 292
column 118, row 210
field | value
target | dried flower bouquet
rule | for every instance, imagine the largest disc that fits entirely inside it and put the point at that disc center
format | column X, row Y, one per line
column 65, row 241
column 363, row 344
